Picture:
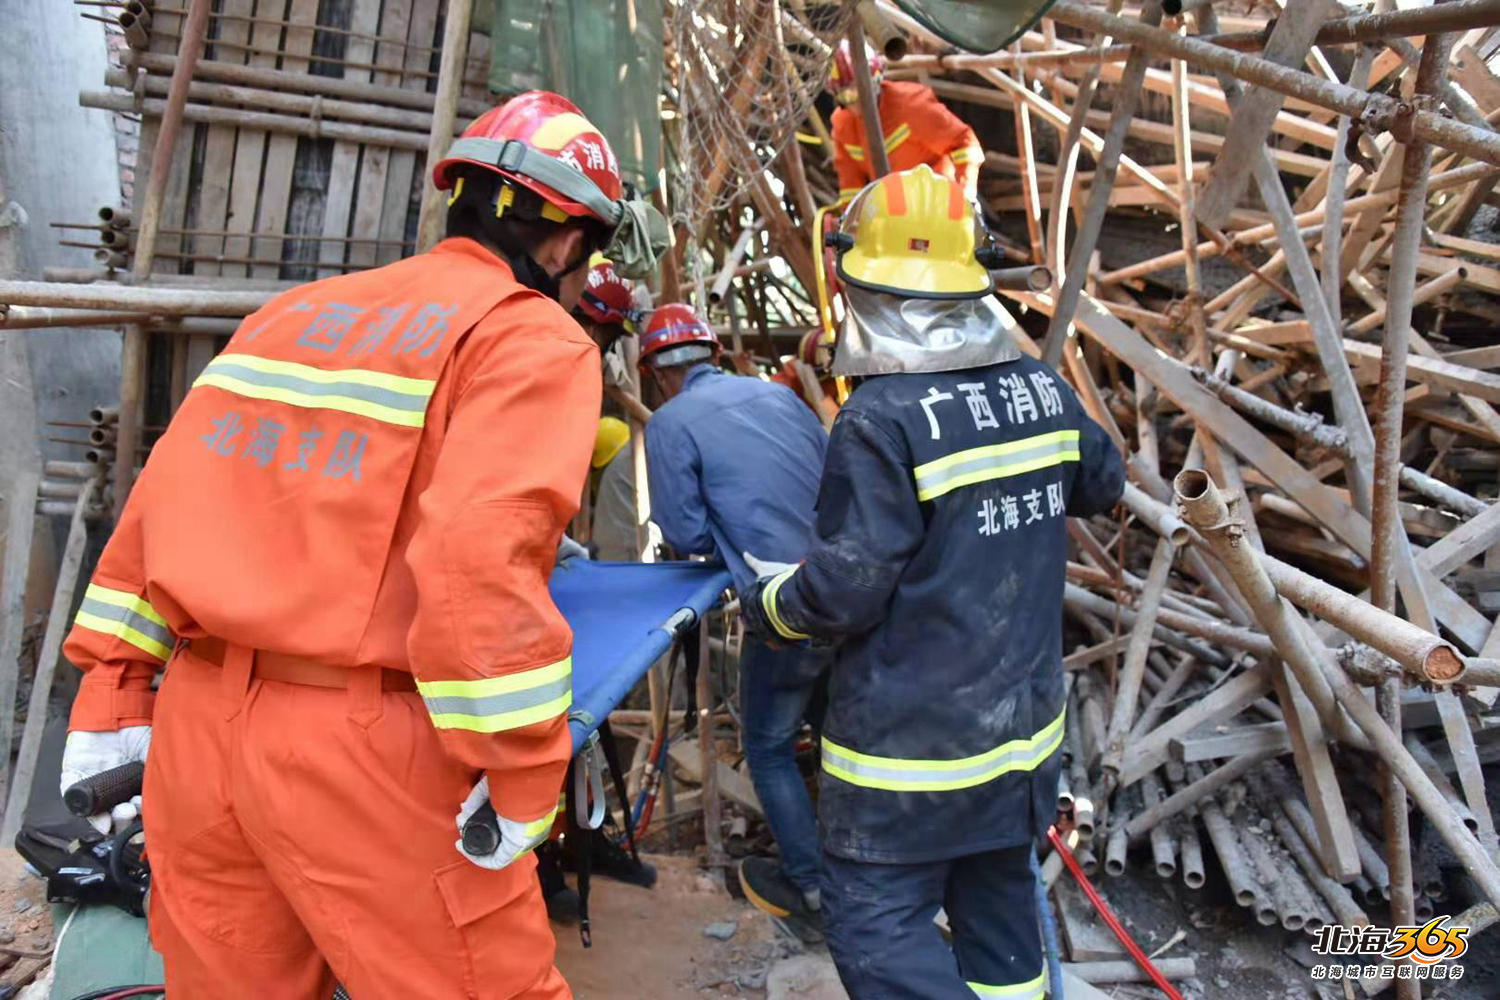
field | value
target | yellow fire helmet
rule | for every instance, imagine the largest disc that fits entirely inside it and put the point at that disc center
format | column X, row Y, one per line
column 612, row 435
column 913, row 233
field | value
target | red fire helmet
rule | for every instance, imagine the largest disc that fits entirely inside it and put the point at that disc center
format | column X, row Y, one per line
column 673, row 326
column 606, row 296
column 539, row 122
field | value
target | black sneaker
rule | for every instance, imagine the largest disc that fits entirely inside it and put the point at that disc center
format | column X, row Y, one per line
column 771, row 892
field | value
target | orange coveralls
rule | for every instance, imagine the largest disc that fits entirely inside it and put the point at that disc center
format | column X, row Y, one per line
column 374, row 474
column 919, row 129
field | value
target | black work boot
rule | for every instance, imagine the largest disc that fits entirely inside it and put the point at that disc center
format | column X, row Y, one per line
column 562, row 902
column 768, row 888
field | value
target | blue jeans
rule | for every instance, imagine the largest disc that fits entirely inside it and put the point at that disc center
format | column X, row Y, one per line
column 776, row 686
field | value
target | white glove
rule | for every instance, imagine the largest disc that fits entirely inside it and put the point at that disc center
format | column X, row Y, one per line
column 516, row 838
column 614, row 369
column 766, row 567
column 568, row 548
column 87, row 754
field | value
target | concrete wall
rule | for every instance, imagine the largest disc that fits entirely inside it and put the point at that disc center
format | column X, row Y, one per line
column 58, row 162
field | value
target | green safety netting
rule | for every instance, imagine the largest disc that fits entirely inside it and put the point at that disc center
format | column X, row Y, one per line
column 977, row 25
column 603, row 55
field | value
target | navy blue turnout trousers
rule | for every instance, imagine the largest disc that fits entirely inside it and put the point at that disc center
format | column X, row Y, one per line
column 886, row 946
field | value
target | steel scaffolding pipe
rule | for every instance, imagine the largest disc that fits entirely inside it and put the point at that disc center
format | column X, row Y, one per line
column 1206, row 510
column 1424, row 655
column 147, row 300
column 1377, row 112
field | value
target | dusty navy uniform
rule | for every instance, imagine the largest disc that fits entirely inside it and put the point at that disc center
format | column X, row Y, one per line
column 938, row 565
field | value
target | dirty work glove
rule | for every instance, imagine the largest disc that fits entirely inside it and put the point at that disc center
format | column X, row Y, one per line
column 516, row 838
column 567, row 548
column 89, row 753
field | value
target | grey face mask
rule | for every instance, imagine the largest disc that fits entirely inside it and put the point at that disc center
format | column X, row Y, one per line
column 884, row 334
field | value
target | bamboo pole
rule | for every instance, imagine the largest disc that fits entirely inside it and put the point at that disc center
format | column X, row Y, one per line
column 133, row 358
column 431, row 220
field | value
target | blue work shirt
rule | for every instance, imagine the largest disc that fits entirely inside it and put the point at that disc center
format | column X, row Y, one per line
column 735, row 459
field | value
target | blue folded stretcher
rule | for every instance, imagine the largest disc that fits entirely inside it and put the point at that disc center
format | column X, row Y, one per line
column 624, row 616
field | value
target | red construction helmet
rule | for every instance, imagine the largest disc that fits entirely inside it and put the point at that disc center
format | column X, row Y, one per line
column 527, row 140
column 606, row 296
column 841, row 79
column 812, row 351
column 675, row 335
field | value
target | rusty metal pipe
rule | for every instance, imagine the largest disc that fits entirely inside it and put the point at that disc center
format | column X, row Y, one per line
column 1192, row 793
column 1227, row 846
column 1114, row 852
column 1034, row 278
column 1345, row 910
column 1156, row 515
column 1289, row 909
column 1163, row 846
column 1128, row 692
column 1424, row 655
column 1207, row 511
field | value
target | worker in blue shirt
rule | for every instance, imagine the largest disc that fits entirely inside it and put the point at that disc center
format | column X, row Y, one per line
column 937, row 565
column 733, row 465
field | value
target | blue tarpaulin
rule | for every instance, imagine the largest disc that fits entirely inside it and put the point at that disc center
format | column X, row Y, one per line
column 622, row 615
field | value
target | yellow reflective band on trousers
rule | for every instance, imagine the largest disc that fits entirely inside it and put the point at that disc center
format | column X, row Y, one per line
column 768, row 603
column 128, row 617
column 1033, row 989
column 495, row 704
column 894, row 774
column 392, row 399
column 996, row 461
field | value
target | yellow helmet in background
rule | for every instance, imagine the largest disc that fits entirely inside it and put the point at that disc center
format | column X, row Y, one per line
column 914, row 233
column 612, row 435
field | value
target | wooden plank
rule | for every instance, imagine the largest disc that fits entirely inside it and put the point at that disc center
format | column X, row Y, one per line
column 20, row 523
column 401, row 172
column 59, row 618
column 1261, row 738
column 220, row 145
column 1145, row 755
column 732, row 784
column 281, row 149
column 1435, row 372
column 249, row 144
column 343, row 176
column 1467, row 541
column 1335, row 848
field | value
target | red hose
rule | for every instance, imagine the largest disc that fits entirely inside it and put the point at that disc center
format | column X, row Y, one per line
column 1109, row 918
column 136, row 991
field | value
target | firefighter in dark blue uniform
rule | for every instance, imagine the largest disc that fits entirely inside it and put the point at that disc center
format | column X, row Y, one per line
column 937, row 568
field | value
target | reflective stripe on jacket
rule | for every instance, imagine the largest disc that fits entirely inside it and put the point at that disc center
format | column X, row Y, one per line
column 938, row 560
column 919, row 129
column 375, row 472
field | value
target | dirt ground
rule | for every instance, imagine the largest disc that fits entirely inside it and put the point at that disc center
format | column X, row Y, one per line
column 650, row 943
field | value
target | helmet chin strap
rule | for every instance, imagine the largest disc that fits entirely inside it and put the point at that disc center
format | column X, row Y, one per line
column 525, row 267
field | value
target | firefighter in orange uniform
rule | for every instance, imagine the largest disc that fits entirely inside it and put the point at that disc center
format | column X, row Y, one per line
column 340, row 551
column 919, row 129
